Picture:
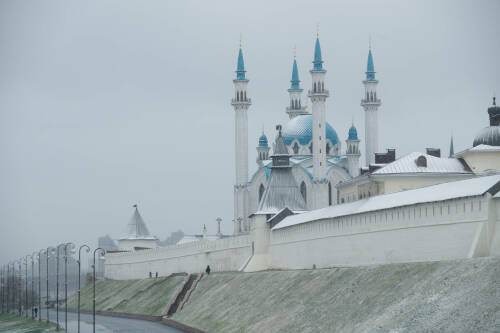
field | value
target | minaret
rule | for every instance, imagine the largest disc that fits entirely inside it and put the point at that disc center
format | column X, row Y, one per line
column 370, row 103
column 262, row 150
column 318, row 95
column 295, row 109
column 352, row 152
column 452, row 149
column 241, row 103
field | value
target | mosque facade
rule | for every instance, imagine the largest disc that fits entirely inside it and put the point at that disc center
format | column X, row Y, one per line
column 317, row 159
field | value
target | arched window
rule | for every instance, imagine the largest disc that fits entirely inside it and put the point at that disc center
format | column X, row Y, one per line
column 295, row 148
column 261, row 191
column 245, row 95
column 322, row 86
column 421, row 161
column 329, row 194
column 237, row 96
column 311, row 148
column 314, row 88
column 303, row 191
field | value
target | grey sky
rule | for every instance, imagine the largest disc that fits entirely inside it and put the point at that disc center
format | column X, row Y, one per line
column 104, row 104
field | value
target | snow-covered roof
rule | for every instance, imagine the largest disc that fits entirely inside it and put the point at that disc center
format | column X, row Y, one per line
column 407, row 164
column 485, row 148
column 196, row 238
column 439, row 192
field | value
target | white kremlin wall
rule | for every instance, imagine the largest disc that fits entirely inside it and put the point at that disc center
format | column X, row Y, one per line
column 227, row 254
column 441, row 222
column 434, row 231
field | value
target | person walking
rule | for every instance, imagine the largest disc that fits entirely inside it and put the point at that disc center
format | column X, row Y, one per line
column 207, row 270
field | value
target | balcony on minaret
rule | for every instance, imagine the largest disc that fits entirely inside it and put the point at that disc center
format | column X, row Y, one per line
column 319, row 90
column 241, row 98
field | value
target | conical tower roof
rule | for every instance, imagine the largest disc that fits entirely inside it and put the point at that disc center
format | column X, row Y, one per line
column 137, row 228
column 282, row 189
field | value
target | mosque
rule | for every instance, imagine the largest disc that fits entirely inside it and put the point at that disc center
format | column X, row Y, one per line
column 317, row 160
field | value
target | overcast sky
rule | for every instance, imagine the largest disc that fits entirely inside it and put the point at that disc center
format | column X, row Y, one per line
column 104, row 104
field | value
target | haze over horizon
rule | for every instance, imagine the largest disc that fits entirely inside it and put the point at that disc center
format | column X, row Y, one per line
column 107, row 104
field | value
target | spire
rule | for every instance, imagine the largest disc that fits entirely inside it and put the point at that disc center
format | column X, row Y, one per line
column 136, row 227
column 240, row 70
column 452, row 150
column 370, row 68
column 318, row 60
column 295, row 76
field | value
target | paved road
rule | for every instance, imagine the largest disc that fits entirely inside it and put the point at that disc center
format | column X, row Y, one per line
column 105, row 324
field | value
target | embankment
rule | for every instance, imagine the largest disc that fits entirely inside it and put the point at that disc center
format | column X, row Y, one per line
column 453, row 296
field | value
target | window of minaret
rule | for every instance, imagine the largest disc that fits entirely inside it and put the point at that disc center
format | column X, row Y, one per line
column 328, row 148
column 311, row 148
column 303, row 190
column 329, row 194
column 295, row 148
column 261, row 191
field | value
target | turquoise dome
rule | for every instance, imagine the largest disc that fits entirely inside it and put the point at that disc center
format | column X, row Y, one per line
column 353, row 134
column 263, row 141
column 300, row 129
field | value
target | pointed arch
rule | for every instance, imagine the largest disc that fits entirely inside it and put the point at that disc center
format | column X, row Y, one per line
column 314, row 87
column 322, row 86
column 245, row 95
column 303, row 190
column 328, row 148
column 261, row 191
column 295, row 148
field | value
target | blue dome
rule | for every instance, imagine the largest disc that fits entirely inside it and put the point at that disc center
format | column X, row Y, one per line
column 263, row 141
column 353, row 134
column 300, row 129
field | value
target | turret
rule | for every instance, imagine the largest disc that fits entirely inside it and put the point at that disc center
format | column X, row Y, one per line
column 262, row 149
column 370, row 103
column 352, row 152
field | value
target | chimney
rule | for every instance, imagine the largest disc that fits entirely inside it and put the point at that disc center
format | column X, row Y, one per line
column 436, row 152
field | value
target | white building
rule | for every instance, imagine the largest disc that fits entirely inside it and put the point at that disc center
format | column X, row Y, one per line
column 317, row 160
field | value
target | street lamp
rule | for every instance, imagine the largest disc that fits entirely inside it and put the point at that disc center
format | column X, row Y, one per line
column 87, row 249
column 93, row 301
column 71, row 252
column 20, row 301
column 33, row 256
column 25, row 259
column 50, row 252
column 57, row 285
column 40, row 284
column 2, row 272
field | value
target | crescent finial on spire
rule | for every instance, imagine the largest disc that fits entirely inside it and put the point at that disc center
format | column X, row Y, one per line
column 370, row 42
column 317, row 30
column 241, row 38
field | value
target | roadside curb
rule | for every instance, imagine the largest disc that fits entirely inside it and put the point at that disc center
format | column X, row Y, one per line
column 164, row 321
column 181, row 326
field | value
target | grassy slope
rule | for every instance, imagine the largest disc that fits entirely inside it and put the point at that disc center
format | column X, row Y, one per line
column 110, row 295
column 16, row 324
column 455, row 296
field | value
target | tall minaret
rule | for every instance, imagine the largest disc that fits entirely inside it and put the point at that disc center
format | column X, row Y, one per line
column 318, row 95
column 241, row 103
column 370, row 103
column 295, row 109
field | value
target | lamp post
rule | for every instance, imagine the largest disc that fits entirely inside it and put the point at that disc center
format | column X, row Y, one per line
column 93, row 299
column 20, row 300
column 50, row 251
column 40, row 284
column 2, row 273
column 57, row 285
column 71, row 251
column 33, row 256
column 26, row 285
column 87, row 249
